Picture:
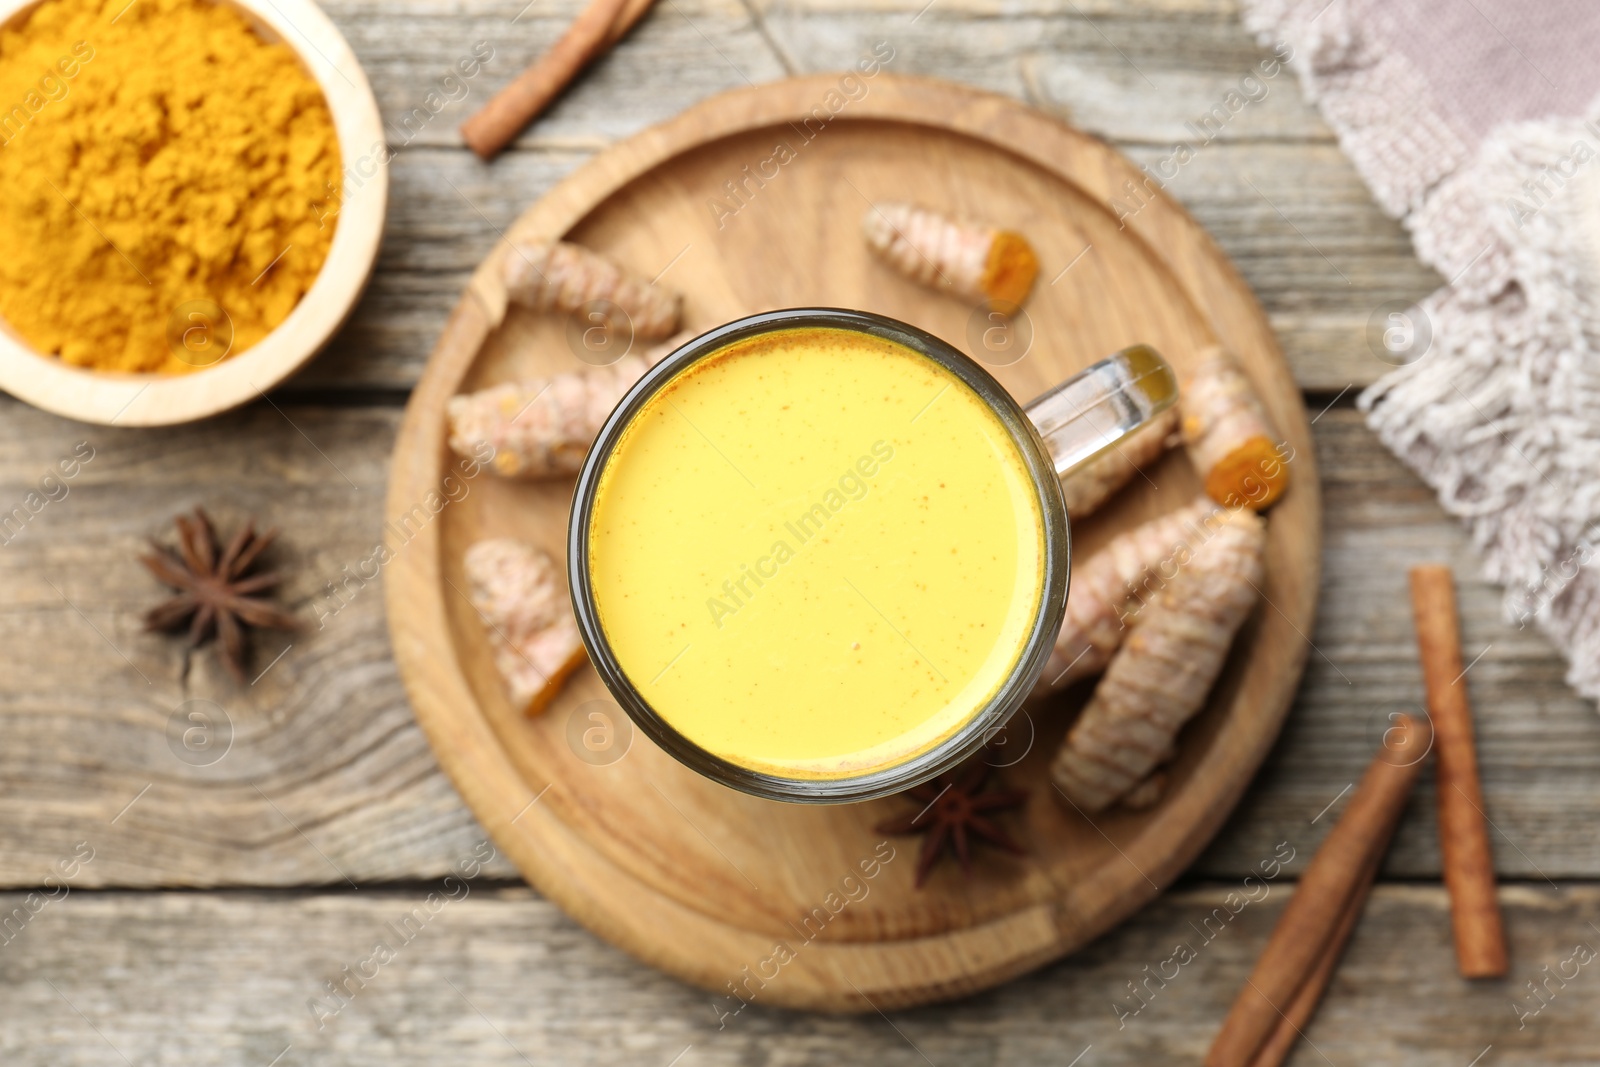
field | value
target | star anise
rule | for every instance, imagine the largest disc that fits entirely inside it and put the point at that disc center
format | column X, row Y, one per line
column 953, row 809
column 214, row 587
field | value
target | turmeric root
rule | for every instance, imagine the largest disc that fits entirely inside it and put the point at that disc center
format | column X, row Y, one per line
column 519, row 594
column 542, row 427
column 1147, row 794
column 1109, row 589
column 1230, row 440
column 565, row 277
column 1092, row 484
column 974, row 260
column 1160, row 677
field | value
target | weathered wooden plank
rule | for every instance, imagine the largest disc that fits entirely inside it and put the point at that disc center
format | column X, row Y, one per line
column 1142, row 68
column 1271, row 185
column 447, row 58
column 1099, row 10
column 499, row 976
column 1305, row 235
column 329, row 778
column 326, row 776
column 1123, row 74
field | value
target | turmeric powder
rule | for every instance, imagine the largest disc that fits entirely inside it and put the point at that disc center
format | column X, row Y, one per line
column 154, row 155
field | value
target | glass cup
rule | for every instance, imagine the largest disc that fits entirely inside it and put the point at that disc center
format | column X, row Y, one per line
column 1055, row 434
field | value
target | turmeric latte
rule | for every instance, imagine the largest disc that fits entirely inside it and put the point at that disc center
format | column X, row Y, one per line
column 155, row 156
column 817, row 553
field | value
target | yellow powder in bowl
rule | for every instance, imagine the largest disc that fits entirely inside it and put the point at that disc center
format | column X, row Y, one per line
column 159, row 160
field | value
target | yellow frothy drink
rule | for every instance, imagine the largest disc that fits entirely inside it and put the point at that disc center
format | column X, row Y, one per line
column 817, row 553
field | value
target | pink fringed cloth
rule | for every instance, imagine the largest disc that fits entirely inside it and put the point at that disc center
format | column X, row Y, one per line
column 1477, row 123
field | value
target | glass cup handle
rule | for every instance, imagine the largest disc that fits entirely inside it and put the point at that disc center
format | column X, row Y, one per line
column 1099, row 406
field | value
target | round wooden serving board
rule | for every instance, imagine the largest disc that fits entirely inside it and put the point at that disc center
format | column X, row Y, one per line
column 773, row 900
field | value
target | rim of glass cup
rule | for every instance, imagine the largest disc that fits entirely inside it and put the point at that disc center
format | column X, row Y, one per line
column 966, row 741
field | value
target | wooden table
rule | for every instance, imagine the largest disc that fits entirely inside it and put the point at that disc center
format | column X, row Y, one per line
column 220, row 899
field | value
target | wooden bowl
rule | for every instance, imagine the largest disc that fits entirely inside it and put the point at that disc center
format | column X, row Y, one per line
column 163, row 400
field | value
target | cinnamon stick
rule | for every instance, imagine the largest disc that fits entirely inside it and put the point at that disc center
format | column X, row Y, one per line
column 632, row 12
column 1297, row 1014
column 1306, row 933
column 596, row 29
column 1463, row 836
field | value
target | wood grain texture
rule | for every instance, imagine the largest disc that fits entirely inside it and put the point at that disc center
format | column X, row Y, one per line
column 328, row 735
column 687, row 874
column 501, row 978
column 1307, row 238
column 326, row 777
